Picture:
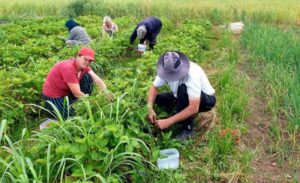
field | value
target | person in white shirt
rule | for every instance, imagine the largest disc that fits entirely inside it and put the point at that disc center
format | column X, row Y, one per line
column 191, row 92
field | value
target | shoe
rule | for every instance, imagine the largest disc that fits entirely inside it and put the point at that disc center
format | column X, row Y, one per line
column 184, row 135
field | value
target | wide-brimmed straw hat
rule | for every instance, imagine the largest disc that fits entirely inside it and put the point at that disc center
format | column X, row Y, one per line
column 173, row 66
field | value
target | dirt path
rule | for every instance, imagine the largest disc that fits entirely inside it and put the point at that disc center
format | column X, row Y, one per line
column 265, row 166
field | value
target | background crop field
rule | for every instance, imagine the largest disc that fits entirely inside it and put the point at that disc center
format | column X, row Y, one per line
column 252, row 135
column 283, row 12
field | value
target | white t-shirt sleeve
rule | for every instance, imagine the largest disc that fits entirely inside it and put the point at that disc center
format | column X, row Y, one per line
column 158, row 82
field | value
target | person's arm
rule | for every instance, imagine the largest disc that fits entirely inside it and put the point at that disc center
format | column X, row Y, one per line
column 72, row 34
column 99, row 82
column 133, row 35
column 103, row 31
column 116, row 28
column 151, row 98
column 189, row 111
column 75, row 89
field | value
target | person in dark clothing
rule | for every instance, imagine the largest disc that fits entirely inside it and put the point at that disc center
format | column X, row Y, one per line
column 147, row 30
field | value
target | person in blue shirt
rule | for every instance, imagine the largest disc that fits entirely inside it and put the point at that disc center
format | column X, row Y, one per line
column 147, row 31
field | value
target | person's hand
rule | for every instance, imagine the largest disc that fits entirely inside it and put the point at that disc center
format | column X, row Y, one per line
column 109, row 96
column 151, row 115
column 140, row 52
column 61, row 38
column 69, row 43
column 163, row 123
column 130, row 48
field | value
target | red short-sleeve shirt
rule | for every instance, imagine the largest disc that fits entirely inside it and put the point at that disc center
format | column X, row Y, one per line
column 62, row 73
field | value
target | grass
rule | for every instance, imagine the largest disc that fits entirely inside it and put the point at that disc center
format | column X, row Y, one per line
column 272, row 53
column 275, row 62
column 283, row 12
column 74, row 139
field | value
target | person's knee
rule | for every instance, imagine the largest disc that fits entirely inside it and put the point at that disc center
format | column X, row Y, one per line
column 87, row 77
column 86, row 84
column 207, row 104
column 165, row 99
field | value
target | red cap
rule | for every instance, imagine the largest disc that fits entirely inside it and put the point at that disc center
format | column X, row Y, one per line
column 88, row 53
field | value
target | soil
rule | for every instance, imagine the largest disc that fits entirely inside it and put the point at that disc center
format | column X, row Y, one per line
column 268, row 164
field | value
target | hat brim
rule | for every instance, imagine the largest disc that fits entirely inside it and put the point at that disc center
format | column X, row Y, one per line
column 176, row 75
column 89, row 58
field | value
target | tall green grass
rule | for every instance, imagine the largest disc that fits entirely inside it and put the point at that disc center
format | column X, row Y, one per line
column 216, row 10
column 280, row 53
column 273, row 54
column 80, row 149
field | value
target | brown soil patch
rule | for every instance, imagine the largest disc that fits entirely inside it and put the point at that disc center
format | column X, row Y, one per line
column 265, row 166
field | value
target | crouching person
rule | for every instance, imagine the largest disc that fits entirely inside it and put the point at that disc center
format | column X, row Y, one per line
column 77, row 34
column 71, row 78
column 147, row 31
column 191, row 91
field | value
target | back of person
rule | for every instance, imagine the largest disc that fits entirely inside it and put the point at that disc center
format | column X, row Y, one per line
column 78, row 33
column 147, row 31
column 151, row 23
column 196, row 74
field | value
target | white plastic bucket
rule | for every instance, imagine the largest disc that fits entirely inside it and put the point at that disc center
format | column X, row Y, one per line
column 169, row 160
column 141, row 47
column 46, row 123
column 236, row 27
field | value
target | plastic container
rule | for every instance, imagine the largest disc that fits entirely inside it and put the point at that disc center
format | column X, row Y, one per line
column 46, row 123
column 141, row 48
column 236, row 27
column 169, row 160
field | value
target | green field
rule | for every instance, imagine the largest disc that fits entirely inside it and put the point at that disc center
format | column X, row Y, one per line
column 278, row 11
column 252, row 135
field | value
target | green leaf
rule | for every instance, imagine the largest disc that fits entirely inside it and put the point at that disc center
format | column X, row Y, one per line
column 62, row 149
column 80, row 140
column 103, row 149
column 102, row 143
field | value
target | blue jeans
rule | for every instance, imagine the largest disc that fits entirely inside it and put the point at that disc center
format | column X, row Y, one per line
column 207, row 102
column 61, row 103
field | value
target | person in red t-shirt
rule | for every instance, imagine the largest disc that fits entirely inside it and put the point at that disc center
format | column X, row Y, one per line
column 71, row 78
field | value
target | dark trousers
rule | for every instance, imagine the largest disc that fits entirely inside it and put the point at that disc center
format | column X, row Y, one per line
column 62, row 104
column 152, row 41
column 207, row 102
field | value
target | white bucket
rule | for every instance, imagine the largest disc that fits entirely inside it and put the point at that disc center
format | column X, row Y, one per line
column 141, row 47
column 170, row 159
column 236, row 27
column 46, row 123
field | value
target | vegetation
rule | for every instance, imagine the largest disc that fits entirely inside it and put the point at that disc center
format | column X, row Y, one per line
column 283, row 12
column 255, row 75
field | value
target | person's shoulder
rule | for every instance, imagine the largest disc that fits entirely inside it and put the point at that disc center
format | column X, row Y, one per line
column 67, row 63
column 195, row 69
column 194, row 65
column 77, row 28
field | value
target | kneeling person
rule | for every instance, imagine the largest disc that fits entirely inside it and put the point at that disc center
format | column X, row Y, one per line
column 191, row 91
column 71, row 78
